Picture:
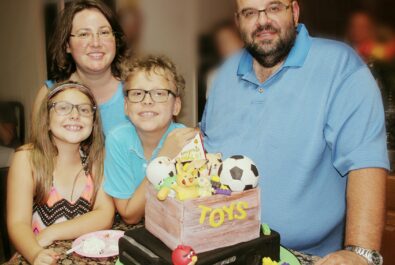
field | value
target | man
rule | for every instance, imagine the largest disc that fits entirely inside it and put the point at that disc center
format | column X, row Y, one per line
column 309, row 113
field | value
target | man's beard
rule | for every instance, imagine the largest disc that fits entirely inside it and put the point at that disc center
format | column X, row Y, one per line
column 279, row 49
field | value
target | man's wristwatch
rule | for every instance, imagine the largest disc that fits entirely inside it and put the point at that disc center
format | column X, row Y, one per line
column 372, row 256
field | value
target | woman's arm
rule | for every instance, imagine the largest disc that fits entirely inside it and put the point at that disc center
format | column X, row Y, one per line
column 20, row 192
column 101, row 217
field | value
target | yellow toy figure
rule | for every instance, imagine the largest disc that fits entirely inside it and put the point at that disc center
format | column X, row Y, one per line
column 205, row 188
column 165, row 188
column 214, row 161
column 186, row 186
column 268, row 261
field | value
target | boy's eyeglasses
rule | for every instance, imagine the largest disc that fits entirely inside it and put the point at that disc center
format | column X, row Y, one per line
column 157, row 95
column 103, row 34
column 65, row 108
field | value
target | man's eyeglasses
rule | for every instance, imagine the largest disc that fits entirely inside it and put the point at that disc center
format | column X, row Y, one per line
column 103, row 34
column 157, row 95
column 273, row 10
column 64, row 108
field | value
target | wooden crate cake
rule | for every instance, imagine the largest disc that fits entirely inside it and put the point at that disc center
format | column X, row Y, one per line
column 204, row 223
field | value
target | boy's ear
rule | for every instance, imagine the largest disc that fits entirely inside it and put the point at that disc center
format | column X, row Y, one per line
column 177, row 106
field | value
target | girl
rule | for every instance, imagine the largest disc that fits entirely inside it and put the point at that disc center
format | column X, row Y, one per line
column 88, row 46
column 54, row 183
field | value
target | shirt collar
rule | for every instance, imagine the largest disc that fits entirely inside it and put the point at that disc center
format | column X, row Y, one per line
column 295, row 58
column 137, row 147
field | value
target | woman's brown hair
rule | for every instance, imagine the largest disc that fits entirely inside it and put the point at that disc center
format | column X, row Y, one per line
column 44, row 150
column 62, row 63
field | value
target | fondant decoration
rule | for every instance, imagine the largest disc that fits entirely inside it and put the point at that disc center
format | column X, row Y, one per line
column 266, row 230
column 184, row 255
column 205, row 188
column 200, row 168
column 186, row 186
column 216, row 216
column 165, row 188
column 192, row 151
column 214, row 162
column 226, row 192
column 239, row 173
column 268, row 261
column 182, row 220
column 159, row 169
column 215, row 182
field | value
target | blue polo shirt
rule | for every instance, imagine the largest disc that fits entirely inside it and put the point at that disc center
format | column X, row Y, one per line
column 111, row 112
column 125, row 163
column 315, row 119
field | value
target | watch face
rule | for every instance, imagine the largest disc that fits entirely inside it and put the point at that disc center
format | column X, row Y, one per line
column 377, row 259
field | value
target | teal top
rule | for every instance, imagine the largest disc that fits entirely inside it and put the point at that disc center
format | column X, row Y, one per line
column 125, row 163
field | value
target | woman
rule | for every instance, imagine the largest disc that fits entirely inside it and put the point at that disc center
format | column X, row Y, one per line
column 88, row 47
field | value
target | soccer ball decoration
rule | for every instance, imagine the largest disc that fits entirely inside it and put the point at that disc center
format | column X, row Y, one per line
column 159, row 169
column 239, row 173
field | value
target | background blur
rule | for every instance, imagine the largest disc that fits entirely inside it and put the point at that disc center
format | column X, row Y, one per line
column 183, row 30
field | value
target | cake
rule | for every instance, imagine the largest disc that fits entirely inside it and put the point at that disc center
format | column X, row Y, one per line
column 93, row 246
column 181, row 211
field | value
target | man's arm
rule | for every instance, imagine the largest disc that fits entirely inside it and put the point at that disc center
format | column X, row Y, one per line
column 366, row 207
column 365, row 215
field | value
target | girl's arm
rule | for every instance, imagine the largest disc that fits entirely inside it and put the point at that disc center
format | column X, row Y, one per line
column 20, row 192
column 101, row 217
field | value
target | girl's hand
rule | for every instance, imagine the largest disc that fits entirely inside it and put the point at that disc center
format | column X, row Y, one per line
column 44, row 238
column 46, row 256
column 176, row 140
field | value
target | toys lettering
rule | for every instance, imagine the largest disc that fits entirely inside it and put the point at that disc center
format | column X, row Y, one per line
column 216, row 217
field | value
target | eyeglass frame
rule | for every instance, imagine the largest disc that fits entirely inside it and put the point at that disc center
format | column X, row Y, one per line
column 240, row 13
column 170, row 92
column 76, row 106
column 92, row 34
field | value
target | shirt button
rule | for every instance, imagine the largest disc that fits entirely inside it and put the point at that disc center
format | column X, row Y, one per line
column 261, row 90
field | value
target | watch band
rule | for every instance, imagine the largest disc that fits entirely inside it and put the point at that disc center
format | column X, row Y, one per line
column 373, row 257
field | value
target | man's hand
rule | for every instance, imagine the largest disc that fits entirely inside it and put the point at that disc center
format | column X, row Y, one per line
column 342, row 257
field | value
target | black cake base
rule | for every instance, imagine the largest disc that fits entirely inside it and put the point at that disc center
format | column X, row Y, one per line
column 138, row 246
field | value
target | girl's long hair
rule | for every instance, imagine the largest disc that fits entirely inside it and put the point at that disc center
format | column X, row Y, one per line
column 44, row 151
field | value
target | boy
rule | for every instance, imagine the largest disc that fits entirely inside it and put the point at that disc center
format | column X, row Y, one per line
column 152, row 98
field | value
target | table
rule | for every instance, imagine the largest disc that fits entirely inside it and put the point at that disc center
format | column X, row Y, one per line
column 62, row 246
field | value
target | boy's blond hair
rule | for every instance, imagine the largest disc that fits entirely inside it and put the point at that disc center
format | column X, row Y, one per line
column 160, row 65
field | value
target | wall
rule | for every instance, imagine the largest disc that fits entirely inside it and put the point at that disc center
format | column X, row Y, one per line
column 170, row 28
column 22, row 66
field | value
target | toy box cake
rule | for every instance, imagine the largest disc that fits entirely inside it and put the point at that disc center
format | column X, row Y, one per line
column 202, row 202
